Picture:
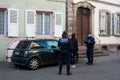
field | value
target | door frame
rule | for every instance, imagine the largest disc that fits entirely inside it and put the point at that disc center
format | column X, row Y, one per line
column 83, row 24
column 88, row 5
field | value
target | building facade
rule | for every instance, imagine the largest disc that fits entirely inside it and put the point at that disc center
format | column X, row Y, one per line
column 29, row 19
column 100, row 17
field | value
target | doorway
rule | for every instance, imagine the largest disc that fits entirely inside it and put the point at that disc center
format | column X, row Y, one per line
column 83, row 24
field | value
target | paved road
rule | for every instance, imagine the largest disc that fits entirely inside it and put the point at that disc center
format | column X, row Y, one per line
column 104, row 68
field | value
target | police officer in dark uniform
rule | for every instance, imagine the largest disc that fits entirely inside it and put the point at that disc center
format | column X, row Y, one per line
column 90, row 41
column 64, row 57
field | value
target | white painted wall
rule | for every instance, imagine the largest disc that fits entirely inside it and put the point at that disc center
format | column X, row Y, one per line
column 112, row 9
column 75, row 1
column 112, row 1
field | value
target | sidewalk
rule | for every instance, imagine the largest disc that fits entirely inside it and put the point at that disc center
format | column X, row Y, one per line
column 111, row 56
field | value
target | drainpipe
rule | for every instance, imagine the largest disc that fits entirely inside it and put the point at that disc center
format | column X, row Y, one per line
column 66, row 22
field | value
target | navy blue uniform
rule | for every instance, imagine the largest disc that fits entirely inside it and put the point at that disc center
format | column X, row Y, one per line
column 90, row 41
column 64, row 56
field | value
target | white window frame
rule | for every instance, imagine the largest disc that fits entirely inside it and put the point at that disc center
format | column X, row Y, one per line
column 43, row 23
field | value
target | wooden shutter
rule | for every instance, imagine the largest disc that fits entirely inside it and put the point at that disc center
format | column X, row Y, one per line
column 12, row 22
column 58, row 24
column 30, row 23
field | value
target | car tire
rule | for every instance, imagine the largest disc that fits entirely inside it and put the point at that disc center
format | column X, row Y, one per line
column 33, row 64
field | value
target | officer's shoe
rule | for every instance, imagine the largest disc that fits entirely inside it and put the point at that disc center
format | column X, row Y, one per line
column 59, row 73
column 69, row 73
column 89, row 63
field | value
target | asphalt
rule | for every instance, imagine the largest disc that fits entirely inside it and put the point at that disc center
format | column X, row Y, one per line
column 104, row 68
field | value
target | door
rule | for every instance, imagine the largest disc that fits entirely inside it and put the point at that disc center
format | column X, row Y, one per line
column 50, row 53
column 52, row 45
column 83, row 24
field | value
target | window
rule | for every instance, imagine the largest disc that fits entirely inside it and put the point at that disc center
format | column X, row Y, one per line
column 52, row 44
column 2, row 22
column 22, row 45
column 118, row 25
column 104, row 23
column 44, row 23
column 9, row 22
column 35, row 45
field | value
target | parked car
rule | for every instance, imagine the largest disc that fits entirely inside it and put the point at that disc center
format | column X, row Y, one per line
column 34, row 53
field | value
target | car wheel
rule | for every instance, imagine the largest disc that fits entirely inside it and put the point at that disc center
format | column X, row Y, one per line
column 33, row 63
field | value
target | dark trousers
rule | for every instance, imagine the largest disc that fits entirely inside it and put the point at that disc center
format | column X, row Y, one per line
column 64, row 58
column 90, row 55
column 74, row 57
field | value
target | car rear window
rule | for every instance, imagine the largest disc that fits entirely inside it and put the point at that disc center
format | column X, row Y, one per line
column 22, row 45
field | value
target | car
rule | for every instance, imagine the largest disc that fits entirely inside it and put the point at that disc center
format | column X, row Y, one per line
column 35, row 53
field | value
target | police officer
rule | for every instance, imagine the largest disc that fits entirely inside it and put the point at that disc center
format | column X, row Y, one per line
column 90, row 41
column 64, row 57
column 74, row 49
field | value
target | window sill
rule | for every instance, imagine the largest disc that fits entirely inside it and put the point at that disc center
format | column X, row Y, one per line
column 104, row 35
column 117, row 35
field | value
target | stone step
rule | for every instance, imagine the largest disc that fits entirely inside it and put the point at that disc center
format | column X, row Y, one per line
column 96, row 54
column 97, row 51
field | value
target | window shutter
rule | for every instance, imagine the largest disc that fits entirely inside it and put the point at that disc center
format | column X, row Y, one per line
column 58, row 24
column 115, row 23
column 112, row 24
column 12, row 22
column 30, row 23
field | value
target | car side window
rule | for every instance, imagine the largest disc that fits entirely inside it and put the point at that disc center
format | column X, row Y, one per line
column 43, row 43
column 52, row 44
column 35, row 45
column 22, row 45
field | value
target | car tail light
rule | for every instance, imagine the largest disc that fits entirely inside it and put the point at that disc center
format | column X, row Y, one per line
column 25, row 54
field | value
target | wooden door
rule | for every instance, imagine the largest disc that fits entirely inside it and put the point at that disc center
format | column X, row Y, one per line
column 83, row 24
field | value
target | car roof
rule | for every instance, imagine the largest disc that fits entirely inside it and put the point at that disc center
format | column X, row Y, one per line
column 40, row 40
